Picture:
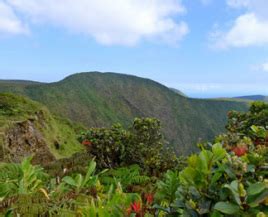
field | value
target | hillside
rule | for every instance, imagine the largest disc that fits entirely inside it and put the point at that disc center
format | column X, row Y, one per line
column 178, row 92
column 26, row 127
column 254, row 98
column 101, row 99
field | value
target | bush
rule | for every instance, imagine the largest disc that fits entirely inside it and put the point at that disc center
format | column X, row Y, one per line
column 229, row 178
column 141, row 144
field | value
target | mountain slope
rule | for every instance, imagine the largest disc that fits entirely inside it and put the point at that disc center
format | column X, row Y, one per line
column 26, row 127
column 101, row 99
column 178, row 92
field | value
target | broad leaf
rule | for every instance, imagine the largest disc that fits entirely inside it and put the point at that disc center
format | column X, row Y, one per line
column 69, row 180
column 227, row 208
column 255, row 188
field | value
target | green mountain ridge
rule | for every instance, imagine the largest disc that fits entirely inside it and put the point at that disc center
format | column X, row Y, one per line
column 100, row 99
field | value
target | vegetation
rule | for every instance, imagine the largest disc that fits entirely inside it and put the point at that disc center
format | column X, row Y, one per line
column 227, row 178
column 30, row 122
column 102, row 99
column 141, row 144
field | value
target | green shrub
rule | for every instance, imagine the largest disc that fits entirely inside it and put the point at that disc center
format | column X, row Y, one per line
column 141, row 144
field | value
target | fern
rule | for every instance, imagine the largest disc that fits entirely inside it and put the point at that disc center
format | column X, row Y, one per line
column 126, row 176
column 166, row 189
column 21, row 178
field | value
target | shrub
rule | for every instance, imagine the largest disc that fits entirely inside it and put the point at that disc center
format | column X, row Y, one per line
column 141, row 144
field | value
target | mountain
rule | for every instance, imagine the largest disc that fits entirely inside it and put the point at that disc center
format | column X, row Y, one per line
column 15, row 86
column 178, row 92
column 27, row 127
column 254, row 98
column 101, row 99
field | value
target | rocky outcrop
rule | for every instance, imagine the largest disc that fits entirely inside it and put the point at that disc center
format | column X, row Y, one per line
column 26, row 138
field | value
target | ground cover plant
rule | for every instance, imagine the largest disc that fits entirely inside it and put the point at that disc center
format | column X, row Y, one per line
column 127, row 174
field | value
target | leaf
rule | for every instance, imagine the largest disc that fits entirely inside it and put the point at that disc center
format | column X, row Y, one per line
column 79, row 181
column 44, row 192
column 254, row 128
column 216, row 214
column 255, row 200
column 203, row 160
column 255, row 188
column 218, row 151
column 233, row 187
column 69, row 180
column 227, row 208
column 216, row 177
column 90, row 172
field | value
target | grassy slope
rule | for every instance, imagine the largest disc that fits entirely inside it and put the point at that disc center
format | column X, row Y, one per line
column 97, row 99
column 14, row 109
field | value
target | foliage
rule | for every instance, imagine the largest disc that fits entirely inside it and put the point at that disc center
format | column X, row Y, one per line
column 142, row 144
column 20, row 179
column 56, row 134
column 26, row 190
column 167, row 188
column 80, row 182
column 227, row 178
column 126, row 176
column 241, row 122
column 108, row 145
column 114, row 204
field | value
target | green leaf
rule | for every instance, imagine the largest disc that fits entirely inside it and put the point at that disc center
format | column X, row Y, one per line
column 203, row 160
column 79, row 181
column 255, row 200
column 227, row 208
column 216, row 214
column 218, row 151
column 233, row 187
column 91, row 168
column 255, row 188
column 69, row 180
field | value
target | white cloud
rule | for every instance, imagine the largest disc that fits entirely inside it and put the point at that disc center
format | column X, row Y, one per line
column 248, row 29
column 263, row 67
column 9, row 22
column 109, row 21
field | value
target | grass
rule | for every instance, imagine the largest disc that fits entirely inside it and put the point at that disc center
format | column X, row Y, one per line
column 15, row 109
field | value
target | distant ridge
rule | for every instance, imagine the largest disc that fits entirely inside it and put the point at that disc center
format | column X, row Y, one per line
column 254, row 98
column 100, row 99
column 25, row 82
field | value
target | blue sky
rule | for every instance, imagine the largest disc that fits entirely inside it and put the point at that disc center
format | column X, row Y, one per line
column 206, row 48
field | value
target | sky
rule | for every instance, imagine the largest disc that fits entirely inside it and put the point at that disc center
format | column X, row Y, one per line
column 205, row 48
